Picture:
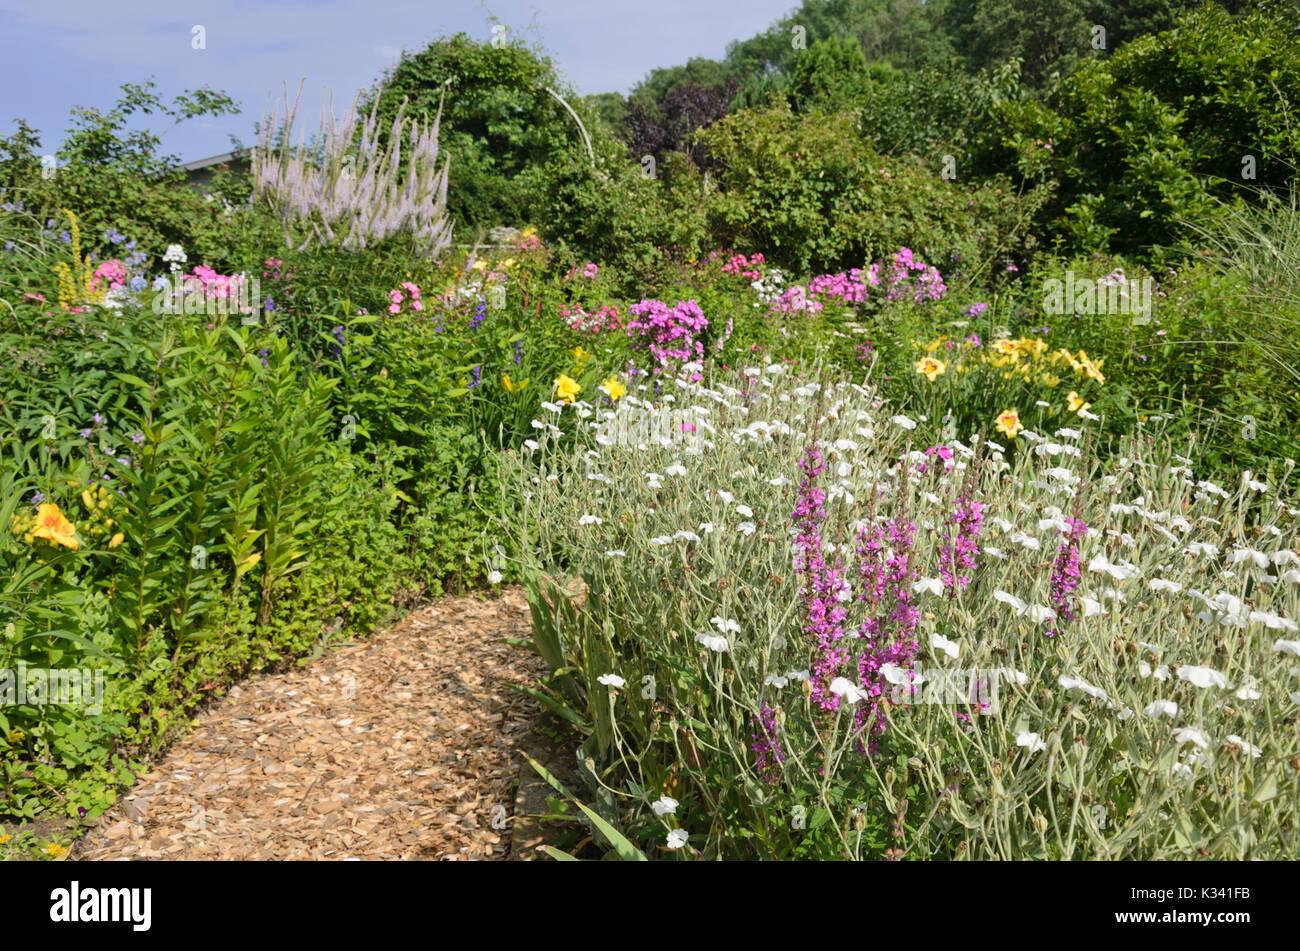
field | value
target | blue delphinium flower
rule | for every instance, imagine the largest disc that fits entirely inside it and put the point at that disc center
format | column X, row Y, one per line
column 519, row 352
column 138, row 284
column 480, row 314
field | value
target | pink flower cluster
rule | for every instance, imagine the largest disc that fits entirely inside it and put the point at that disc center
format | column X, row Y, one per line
column 909, row 277
column 1065, row 572
column 113, row 271
column 795, row 301
column 848, row 288
column 885, row 573
column 743, row 267
column 606, row 319
column 396, row 298
column 957, row 554
column 214, row 286
column 826, row 592
column 670, row 334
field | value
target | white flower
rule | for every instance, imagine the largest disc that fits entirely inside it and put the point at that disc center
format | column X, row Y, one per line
column 1012, row 674
column 494, row 577
column 1253, row 751
column 175, row 252
column 589, row 520
column 1248, row 554
column 677, row 838
column 706, row 528
column 848, row 690
column 897, row 675
column 779, row 481
column 1162, row 708
column 903, row 421
column 664, row 806
column 1287, row 647
column 941, row 643
column 1189, row 734
column 1160, row 584
column 774, row 681
column 1202, row 676
column 726, row 496
column 798, row 675
column 1010, row 599
column 1091, row 607
column 1031, row 741
column 747, row 528
column 615, row 553
column 553, row 407
column 725, row 624
column 1120, row 572
column 1025, row 541
column 686, row 536
column 1248, row 690
column 662, row 540
column 744, row 511
column 1073, row 683
column 676, row 469
column 933, row 585
column 995, row 553
column 611, row 680
column 1274, row 621
column 713, row 642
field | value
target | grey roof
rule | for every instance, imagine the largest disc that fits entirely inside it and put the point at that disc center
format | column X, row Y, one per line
column 221, row 159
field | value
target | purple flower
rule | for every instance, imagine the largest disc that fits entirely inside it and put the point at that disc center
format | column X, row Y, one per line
column 137, row 438
column 36, row 499
column 519, row 352
column 85, row 433
column 1065, row 572
column 480, row 314
column 976, row 309
column 958, row 555
column 768, row 750
column 98, row 418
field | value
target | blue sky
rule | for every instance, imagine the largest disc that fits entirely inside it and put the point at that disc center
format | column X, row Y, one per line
column 59, row 53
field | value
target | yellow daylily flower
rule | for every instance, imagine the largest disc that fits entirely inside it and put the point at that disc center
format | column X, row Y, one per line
column 116, row 540
column 566, row 388
column 505, row 381
column 614, row 389
column 930, row 367
column 1005, row 346
column 52, row 526
column 1009, row 423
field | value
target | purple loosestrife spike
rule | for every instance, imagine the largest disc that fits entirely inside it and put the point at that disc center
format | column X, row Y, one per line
column 1065, row 573
column 769, row 751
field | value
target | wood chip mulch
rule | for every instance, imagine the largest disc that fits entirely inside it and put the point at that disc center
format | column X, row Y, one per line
column 402, row 746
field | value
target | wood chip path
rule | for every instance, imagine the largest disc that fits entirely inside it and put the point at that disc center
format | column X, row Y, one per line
column 401, row 746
